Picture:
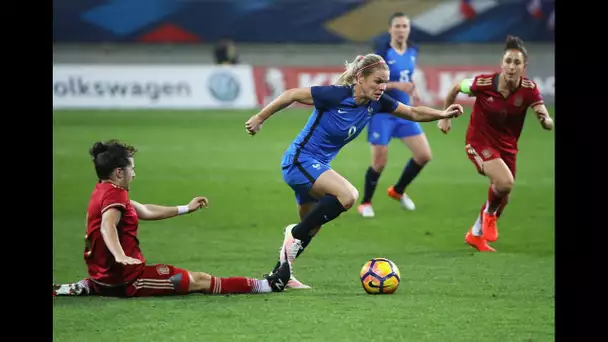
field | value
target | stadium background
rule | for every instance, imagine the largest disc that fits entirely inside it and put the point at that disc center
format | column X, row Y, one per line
column 144, row 71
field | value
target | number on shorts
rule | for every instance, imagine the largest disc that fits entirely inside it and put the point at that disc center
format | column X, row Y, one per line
column 351, row 131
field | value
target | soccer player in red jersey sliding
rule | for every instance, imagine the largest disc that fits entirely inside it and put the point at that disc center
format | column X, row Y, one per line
column 116, row 265
column 501, row 102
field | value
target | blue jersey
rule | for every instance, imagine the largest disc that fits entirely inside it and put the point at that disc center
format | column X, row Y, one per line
column 401, row 68
column 335, row 121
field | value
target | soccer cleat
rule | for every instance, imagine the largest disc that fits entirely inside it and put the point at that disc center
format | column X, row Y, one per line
column 294, row 283
column 80, row 288
column 488, row 227
column 278, row 280
column 477, row 242
column 406, row 201
column 366, row 210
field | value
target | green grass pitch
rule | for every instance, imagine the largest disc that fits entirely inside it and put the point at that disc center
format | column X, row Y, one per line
column 447, row 293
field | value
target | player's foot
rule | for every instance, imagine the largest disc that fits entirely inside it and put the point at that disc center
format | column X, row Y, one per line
column 80, row 288
column 488, row 227
column 366, row 210
column 278, row 280
column 406, row 201
column 477, row 242
column 294, row 283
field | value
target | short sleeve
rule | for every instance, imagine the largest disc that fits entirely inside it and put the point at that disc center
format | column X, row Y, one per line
column 114, row 198
column 387, row 104
column 535, row 97
column 325, row 97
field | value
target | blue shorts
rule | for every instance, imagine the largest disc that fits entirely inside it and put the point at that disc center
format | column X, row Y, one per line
column 300, row 175
column 383, row 127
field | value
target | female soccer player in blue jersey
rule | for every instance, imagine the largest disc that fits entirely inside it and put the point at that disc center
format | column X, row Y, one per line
column 401, row 56
column 341, row 112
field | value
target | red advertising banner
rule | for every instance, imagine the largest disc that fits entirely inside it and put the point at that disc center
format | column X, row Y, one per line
column 432, row 82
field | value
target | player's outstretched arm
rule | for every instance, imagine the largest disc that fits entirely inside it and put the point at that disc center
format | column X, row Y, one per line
column 406, row 87
column 463, row 86
column 150, row 212
column 425, row 114
column 301, row 95
column 543, row 116
column 109, row 220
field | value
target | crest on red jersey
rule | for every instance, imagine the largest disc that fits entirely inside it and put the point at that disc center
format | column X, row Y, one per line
column 519, row 100
column 162, row 269
column 486, row 153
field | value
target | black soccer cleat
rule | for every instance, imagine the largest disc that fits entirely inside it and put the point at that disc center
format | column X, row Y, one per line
column 278, row 280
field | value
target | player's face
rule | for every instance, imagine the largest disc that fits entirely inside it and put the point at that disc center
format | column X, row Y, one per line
column 513, row 65
column 400, row 29
column 126, row 175
column 374, row 84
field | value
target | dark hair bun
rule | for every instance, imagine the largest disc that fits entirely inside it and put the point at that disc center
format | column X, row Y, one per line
column 514, row 42
column 98, row 147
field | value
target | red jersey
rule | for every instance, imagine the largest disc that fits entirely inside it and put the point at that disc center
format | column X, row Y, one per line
column 103, row 269
column 498, row 120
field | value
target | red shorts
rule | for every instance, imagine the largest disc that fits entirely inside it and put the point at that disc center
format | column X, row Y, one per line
column 480, row 153
column 155, row 280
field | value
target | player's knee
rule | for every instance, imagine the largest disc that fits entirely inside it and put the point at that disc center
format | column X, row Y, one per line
column 379, row 158
column 199, row 281
column 349, row 197
column 504, row 185
column 423, row 158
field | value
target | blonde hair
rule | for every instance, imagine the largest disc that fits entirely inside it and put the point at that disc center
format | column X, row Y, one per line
column 364, row 65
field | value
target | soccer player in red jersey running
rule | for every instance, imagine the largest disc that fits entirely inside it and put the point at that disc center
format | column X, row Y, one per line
column 116, row 265
column 501, row 102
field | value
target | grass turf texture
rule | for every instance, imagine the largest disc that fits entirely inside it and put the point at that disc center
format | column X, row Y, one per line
column 447, row 292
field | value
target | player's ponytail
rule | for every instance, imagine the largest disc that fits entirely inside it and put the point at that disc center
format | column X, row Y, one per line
column 349, row 75
column 515, row 43
column 98, row 148
column 364, row 65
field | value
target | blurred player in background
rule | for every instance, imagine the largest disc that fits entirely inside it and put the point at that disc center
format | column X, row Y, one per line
column 502, row 100
column 225, row 53
column 341, row 112
column 116, row 265
column 401, row 57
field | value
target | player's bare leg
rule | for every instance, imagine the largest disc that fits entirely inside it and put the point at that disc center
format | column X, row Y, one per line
column 502, row 182
column 379, row 160
column 421, row 155
column 203, row 282
column 80, row 288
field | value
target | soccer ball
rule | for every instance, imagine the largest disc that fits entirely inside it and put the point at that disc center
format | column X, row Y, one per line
column 380, row 276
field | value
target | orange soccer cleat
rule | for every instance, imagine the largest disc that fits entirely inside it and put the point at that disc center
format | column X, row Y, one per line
column 477, row 242
column 488, row 227
column 404, row 199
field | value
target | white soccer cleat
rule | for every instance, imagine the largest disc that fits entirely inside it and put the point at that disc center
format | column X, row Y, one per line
column 407, row 203
column 366, row 210
column 294, row 283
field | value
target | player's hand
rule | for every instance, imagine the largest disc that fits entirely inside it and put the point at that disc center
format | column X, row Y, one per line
column 547, row 123
column 453, row 111
column 444, row 125
column 254, row 124
column 125, row 260
column 198, row 203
